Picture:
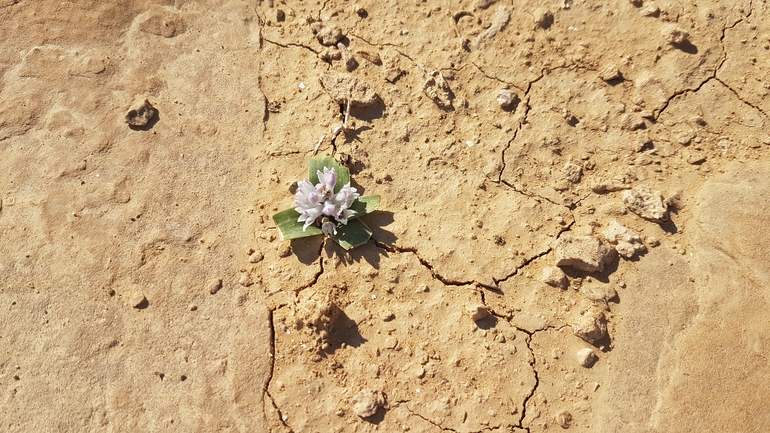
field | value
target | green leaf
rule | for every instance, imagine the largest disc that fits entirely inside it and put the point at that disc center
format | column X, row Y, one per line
column 353, row 234
column 290, row 228
column 365, row 205
column 318, row 163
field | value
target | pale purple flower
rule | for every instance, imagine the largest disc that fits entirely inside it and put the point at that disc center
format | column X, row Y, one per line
column 314, row 201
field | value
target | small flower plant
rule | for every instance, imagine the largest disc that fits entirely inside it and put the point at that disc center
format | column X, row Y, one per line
column 326, row 204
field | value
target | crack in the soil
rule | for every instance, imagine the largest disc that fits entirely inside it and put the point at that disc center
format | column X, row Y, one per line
column 428, row 266
column 266, row 390
column 429, row 421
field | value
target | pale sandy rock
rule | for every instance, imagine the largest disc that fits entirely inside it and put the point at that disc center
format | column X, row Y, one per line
column 627, row 243
column 609, row 72
column 370, row 56
column 499, row 21
column 572, row 172
column 585, row 253
column 136, row 299
column 214, row 285
column 506, row 98
column 598, row 292
column 436, row 88
column 651, row 10
column 328, row 35
column 673, row 34
column 367, row 402
column 554, row 277
column 601, row 185
column 586, row 357
column 476, row 311
column 647, row 203
column 342, row 87
column 256, row 257
column 590, row 327
column 563, row 419
column 245, row 280
column 330, row 53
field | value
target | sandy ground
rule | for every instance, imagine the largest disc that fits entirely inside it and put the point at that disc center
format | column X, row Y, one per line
column 585, row 251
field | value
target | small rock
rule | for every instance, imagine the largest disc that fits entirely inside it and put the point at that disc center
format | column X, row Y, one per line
column 140, row 115
column 554, row 277
column 590, row 327
column 256, row 257
column 585, row 253
column 636, row 3
column 598, row 293
column 330, row 53
column 245, row 280
column 476, row 311
column 646, row 203
column 284, row 250
column 506, row 98
column 627, row 243
column 586, row 357
column 137, row 300
column 609, row 72
column 370, row 57
column 484, row 4
column 632, row 122
column 367, row 402
column 340, row 87
column 327, row 35
column 674, row 34
column 572, row 172
column 563, row 419
column 650, row 11
column 601, row 186
column 696, row 158
column 214, row 286
column 437, row 89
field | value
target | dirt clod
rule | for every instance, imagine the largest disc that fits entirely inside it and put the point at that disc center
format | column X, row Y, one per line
column 476, row 311
column 367, row 402
column 141, row 114
column 590, row 327
column 627, row 243
column 674, row 34
column 554, row 277
column 585, row 253
column 436, row 88
column 340, row 87
column 646, row 203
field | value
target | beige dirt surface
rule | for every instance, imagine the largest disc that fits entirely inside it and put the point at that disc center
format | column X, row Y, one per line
column 572, row 233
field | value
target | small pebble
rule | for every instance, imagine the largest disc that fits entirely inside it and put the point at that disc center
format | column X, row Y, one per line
column 245, row 280
column 609, row 72
column 586, row 357
column 214, row 285
column 141, row 115
column 137, row 300
column 506, row 98
column 256, row 257
column 554, row 277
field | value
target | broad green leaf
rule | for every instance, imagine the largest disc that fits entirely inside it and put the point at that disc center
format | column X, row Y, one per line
column 353, row 234
column 318, row 163
column 365, row 205
column 290, row 228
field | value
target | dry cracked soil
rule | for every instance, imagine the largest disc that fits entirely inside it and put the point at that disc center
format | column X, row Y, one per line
column 571, row 236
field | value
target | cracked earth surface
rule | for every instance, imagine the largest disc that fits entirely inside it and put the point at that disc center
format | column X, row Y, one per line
column 143, row 285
